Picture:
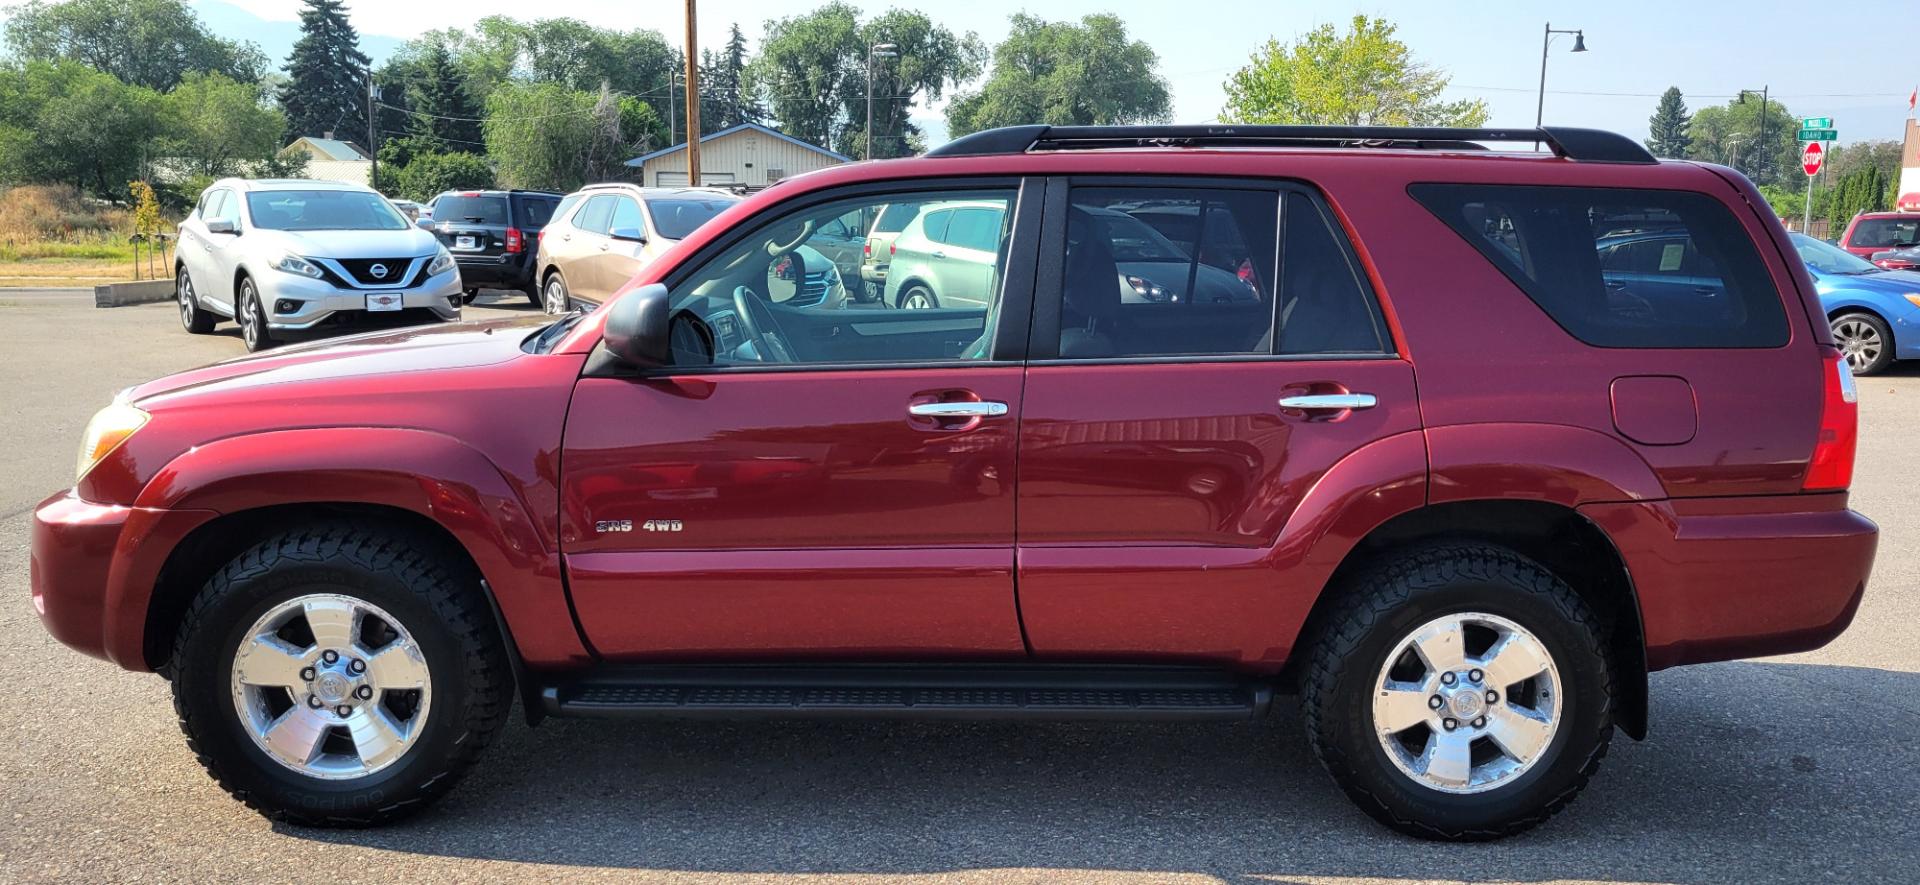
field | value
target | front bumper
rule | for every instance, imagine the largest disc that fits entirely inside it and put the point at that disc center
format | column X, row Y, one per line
column 320, row 301
column 1725, row 578
column 93, row 569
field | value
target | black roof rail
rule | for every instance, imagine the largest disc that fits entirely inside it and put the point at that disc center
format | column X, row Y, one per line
column 1584, row 145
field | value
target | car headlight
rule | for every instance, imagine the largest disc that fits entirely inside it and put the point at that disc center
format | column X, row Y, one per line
column 109, row 428
column 1149, row 289
column 294, row 264
column 442, row 262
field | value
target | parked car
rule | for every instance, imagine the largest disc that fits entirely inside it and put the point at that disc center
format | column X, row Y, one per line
column 1874, row 312
column 1058, row 501
column 613, row 230
column 1871, row 232
column 876, row 254
column 1896, row 259
column 408, row 208
column 282, row 257
column 492, row 234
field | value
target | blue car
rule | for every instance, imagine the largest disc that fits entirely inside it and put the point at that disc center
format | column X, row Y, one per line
column 1875, row 313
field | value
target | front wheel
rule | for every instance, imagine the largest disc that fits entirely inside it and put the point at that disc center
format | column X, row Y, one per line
column 467, row 296
column 1865, row 340
column 252, row 317
column 553, row 296
column 337, row 676
column 1459, row 692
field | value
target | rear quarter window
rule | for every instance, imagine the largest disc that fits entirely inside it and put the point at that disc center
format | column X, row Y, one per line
column 536, row 211
column 1620, row 267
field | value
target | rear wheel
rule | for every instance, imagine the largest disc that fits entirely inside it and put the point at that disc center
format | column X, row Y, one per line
column 1459, row 692
column 553, row 295
column 252, row 317
column 196, row 319
column 1865, row 340
column 335, row 676
column 918, row 297
column 467, row 296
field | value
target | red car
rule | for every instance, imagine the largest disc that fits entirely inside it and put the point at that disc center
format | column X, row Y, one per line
column 1453, row 476
column 1871, row 232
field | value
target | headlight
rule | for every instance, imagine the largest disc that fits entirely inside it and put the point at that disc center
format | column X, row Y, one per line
column 109, row 428
column 442, row 263
column 294, row 264
column 1150, row 290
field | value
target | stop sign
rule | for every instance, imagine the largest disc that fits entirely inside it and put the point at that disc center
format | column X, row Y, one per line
column 1811, row 157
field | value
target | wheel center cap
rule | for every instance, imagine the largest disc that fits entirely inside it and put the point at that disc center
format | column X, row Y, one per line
column 332, row 688
column 1466, row 705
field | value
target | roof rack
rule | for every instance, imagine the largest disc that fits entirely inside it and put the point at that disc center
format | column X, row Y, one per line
column 1584, row 145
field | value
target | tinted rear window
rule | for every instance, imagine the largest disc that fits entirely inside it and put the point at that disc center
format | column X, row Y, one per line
column 536, row 211
column 1885, row 233
column 471, row 210
column 1620, row 267
column 894, row 218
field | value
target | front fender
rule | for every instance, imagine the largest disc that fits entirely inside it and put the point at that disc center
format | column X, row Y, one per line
column 430, row 474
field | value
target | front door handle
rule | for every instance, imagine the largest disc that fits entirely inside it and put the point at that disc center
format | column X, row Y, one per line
column 957, row 410
column 1322, row 402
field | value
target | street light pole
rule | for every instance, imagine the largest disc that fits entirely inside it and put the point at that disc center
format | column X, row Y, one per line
column 1546, row 39
column 1759, row 168
column 877, row 50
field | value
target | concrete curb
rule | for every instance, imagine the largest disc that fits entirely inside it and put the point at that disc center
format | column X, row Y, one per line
column 123, row 294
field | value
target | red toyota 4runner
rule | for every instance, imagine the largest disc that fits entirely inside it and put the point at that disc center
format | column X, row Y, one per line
column 1191, row 417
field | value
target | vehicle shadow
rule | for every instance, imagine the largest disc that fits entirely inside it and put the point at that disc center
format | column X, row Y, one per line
column 1755, row 772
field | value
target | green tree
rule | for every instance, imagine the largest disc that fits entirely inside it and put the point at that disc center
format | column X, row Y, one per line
column 1364, row 77
column 727, row 96
column 151, row 43
column 432, row 174
column 62, row 121
column 1668, row 126
column 442, row 108
column 1862, row 190
column 1086, row 73
column 1731, row 135
column 803, row 65
column 212, row 125
column 931, row 62
column 543, row 135
column 326, row 74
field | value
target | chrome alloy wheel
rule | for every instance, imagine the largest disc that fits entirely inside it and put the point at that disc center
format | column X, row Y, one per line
column 331, row 686
column 183, row 292
column 1858, row 340
column 554, row 296
column 249, row 315
column 1467, row 702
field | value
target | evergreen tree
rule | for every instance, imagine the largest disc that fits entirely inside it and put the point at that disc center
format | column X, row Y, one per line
column 326, row 88
column 1668, row 126
column 733, row 102
column 445, row 111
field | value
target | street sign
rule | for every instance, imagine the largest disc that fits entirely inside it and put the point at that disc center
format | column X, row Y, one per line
column 1819, row 134
column 1816, row 122
column 1811, row 157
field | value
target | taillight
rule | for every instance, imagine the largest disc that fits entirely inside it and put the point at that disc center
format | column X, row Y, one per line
column 866, row 249
column 1832, row 466
column 893, row 249
column 514, row 242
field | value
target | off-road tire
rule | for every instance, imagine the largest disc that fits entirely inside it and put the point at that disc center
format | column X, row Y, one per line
column 437, row 599
column 1383, row 604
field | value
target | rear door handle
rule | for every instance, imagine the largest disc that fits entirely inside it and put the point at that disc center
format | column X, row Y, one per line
column 1321, row 402
column 957, row 410
column 937, row 253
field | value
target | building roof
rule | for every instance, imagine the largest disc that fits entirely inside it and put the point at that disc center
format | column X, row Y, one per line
column 332, row 148
column 636, row 161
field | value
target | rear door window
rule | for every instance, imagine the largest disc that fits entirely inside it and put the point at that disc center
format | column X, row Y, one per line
column 596, row 214
column 476, row 209
column 1619, row 267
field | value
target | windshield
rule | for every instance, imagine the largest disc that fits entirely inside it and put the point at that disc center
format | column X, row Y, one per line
column 323, row 210
column 676, row 218
column 1825, row 257
column 1885, row 233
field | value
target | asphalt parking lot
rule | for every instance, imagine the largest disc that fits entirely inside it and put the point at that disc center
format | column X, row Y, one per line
column 1788, row 769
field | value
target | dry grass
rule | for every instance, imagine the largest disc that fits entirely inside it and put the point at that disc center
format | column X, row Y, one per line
column 54, row 235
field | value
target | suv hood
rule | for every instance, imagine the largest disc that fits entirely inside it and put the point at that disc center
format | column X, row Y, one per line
column 414, row 349
column 410, row 243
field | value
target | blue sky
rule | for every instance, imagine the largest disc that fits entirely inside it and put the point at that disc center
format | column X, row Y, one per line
column 1849, row 66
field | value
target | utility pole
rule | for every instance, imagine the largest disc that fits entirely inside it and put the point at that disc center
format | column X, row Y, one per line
column 877, row 50
column 673, row 108
column 373, row 145
column 693, row 100
column 1760, row 167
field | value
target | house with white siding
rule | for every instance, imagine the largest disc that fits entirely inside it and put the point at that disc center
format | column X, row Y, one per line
column 749, row 156
column 330, row 159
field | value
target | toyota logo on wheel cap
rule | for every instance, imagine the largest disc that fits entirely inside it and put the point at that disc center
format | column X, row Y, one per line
column 379, row 271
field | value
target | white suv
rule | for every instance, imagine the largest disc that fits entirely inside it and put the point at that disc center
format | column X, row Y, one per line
column 282, row 256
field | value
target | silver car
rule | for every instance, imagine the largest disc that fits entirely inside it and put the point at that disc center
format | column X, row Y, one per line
column 291, row 255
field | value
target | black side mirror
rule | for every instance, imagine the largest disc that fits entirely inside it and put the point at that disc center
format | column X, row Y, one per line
column 629, row 234
column 637, row 331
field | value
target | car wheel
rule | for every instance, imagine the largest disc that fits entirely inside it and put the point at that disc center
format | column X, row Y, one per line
column 252, row 317
column 467, row 296
column 918, row 297
column 1865, row 340
column 1459, row 692
column 339, row 676
column 196, row 319
column 554, row 299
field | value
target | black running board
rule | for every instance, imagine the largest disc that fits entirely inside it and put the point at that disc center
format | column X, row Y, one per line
column 1020, row 691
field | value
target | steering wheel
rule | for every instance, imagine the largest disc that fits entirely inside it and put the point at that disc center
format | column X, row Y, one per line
column 757, row 322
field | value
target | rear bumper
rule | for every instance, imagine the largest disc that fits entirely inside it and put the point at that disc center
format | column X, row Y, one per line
column 1725, row 578
column 93, row 570
column 501, row 272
